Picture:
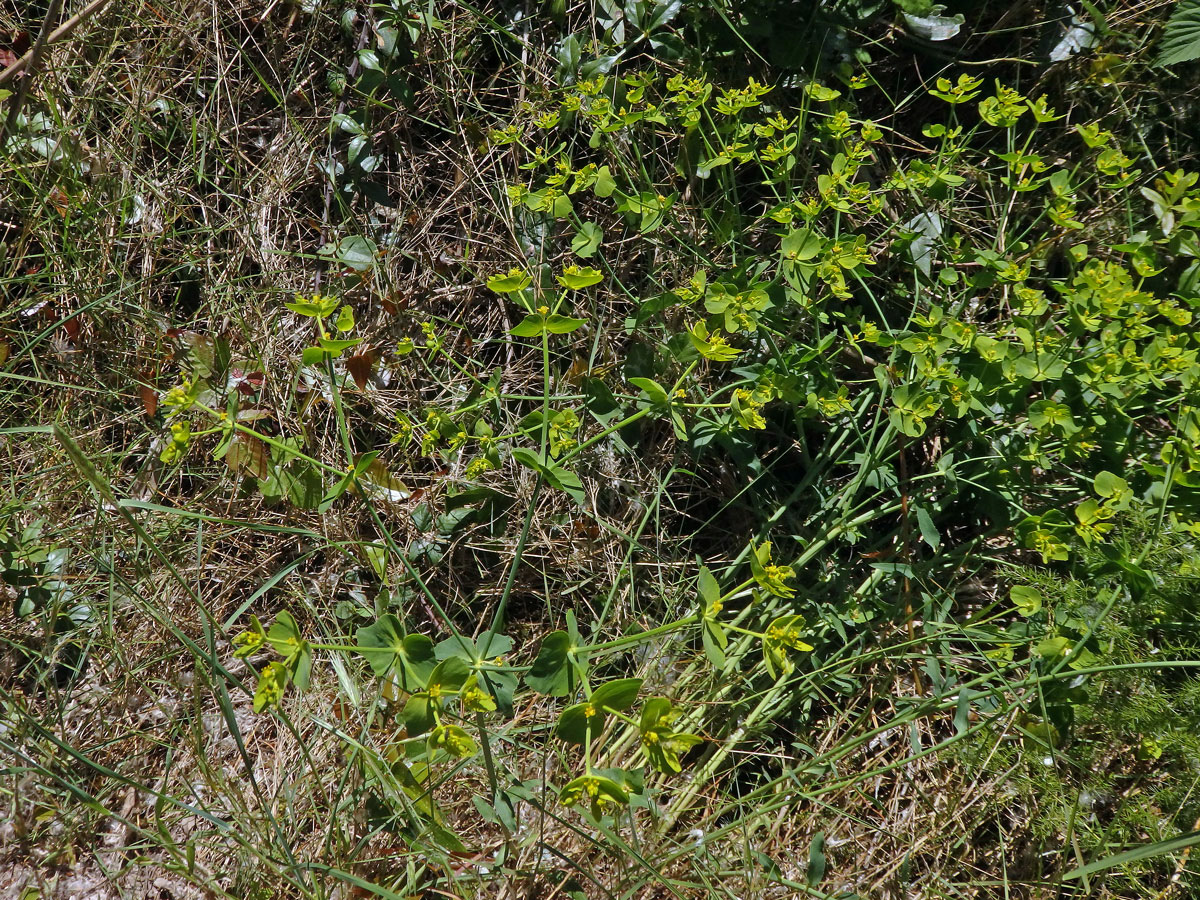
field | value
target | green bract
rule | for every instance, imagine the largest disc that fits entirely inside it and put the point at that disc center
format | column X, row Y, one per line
column 318, row 306
column 781, row 639
column 599, row 794
column 770, row 577
column 663, row 746
column 542, row 323
column 584, row 721
column 576, row 278
column 515, row 280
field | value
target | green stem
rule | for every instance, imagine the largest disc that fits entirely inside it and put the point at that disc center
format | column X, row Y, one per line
column 628, row 420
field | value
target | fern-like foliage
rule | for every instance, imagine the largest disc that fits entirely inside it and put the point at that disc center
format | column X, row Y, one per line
column 1181, row 37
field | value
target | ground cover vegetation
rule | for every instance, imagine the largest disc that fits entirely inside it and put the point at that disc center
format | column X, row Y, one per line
column 600, row 450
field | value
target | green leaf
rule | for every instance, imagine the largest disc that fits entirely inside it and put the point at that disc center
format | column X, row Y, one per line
column 576, row 278
column 604, row 184
column 552, row 672
column 715, row 640
column 1109, row 485
column 530, row 326
column 556, row 324
column 313, row 356
column 515, row 280
column 780, row 640
column 335, row 346
column 385, row 646
column 294, row 480
column 575, row 722
column 316, row 307
column 816, row 861
column 418, row 714
column 450, row 674
column 556, row 476
column 587, row 240
column 617, row 695
column 284, row 633
column 300, row 665
column 1054, row 648
column 445, row 681
column 801, row 244
column 354, row 252
column 595, row 791
column 454, row 740
column 710, row 591
column 568, row 482
column 1145, row 851
column 1027, row 600
column 535, row 325
column 528, row 459
column 654, row 391
column 929, row 532
column 284, row 636
column 331, row 496
column 1181, row 36
column 345, row 319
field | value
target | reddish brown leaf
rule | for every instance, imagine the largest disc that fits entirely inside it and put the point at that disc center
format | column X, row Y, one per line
column 60, row 201
column 149, row 399
column 148, row 394
column 71, row 326
column 7, row 58
column 361, row 368
column 248, row 456
column 247, row 383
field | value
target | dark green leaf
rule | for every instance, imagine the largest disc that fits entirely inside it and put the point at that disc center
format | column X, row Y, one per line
column 385, row 645
column 587, row 240
column 654, row 391
column 1181, row 37
column 551, row 672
